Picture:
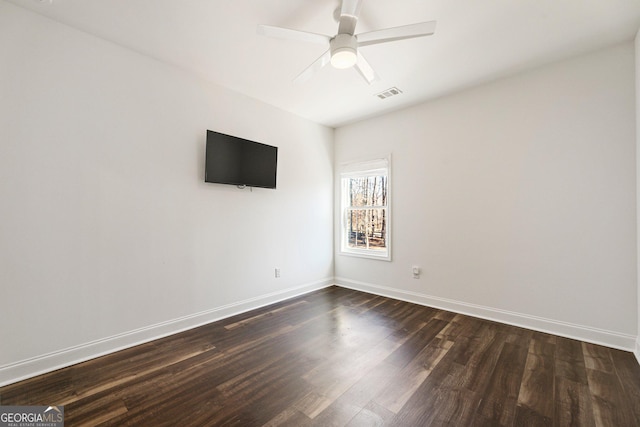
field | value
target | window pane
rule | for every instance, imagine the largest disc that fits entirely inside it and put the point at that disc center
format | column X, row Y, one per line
column 367, row 229
column 367, row 191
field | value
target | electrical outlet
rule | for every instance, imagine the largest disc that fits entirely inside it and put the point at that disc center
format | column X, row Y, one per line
column 416, row 272
column 277, row 272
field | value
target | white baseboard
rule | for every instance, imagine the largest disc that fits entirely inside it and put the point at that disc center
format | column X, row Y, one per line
column 70, row 356
column 565, row 329
column 637, row 349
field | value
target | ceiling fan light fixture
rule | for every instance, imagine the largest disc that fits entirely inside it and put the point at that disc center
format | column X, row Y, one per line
column 344, row 58
column 344, row 51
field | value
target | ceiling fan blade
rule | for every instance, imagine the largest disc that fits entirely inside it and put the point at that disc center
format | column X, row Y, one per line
column 316, row 66
column 349, row 16
column 365, row 69
column 289, row 34
column 397, row 33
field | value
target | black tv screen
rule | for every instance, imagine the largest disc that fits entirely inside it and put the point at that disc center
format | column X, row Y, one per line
column 238, row 161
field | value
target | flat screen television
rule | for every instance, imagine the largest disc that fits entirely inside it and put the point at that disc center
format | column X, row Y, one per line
column 238, row 161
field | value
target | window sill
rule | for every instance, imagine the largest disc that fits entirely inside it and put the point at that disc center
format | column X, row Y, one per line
column 366, row 254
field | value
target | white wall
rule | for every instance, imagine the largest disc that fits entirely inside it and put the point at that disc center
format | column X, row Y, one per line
column 108, row 233
column 517, row 199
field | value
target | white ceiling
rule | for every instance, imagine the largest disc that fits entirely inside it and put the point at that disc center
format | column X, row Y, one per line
column 475, row 42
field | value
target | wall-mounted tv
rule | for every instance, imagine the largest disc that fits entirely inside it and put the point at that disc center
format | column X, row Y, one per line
column 238, row 161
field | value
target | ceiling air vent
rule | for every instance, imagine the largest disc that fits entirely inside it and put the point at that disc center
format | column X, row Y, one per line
column 392, row 91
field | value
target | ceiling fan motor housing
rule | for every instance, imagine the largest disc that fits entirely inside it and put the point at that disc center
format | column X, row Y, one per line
column 344, row 51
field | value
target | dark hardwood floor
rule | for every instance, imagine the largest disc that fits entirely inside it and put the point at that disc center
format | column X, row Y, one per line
column 338, row 357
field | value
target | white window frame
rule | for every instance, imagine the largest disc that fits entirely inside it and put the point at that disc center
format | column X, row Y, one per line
column 374, row 167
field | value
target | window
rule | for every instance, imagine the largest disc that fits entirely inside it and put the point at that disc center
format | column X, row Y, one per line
column 365, row 209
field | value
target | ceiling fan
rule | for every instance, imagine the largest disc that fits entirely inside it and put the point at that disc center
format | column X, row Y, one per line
column 343, row 49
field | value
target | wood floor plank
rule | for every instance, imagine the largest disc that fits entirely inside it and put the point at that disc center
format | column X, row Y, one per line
column 260, row 316
column 414, row 345
column 476, row 337
column 527, row 417
column 312, row 404
column 455, row 407
column 573, row 399
column 610, row 404
column 628, row 374
column 371, row 415
column 339, row 357
column 569, row 361
column 574, row 406
column 340, row 413
column 537, row 387
column 363, row 392
column 478, row 368
column 409, row 378
column 499, row 403
column 289, row 417
column 597, row 357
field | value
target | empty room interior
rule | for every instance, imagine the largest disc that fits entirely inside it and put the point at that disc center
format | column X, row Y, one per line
column 438, row 226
